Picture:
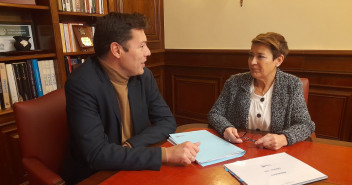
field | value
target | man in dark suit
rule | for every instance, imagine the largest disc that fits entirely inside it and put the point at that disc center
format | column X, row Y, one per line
column 114, row 108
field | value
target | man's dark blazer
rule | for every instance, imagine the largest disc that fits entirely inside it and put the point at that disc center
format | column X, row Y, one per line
column 94, row 123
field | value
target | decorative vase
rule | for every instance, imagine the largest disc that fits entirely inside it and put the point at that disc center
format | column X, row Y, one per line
column 22, row 43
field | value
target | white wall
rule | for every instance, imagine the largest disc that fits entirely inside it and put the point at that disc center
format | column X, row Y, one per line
column 223, row 24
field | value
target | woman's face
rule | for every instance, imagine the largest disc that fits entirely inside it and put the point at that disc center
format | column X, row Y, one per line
column 261, row 63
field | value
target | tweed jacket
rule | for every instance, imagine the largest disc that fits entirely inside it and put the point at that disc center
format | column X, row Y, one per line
column 94, row 122
column 289, row 113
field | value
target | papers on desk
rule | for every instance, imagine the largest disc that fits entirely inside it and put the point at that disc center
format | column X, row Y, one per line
column 276, row 169
column 212, row 149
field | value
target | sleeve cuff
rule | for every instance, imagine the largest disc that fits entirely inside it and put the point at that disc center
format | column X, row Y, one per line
column 163, row 155
column 127, row 144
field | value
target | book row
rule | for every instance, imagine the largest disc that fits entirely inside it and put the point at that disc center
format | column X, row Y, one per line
column 76, row 37
column 26, row 80
column 72, row 63
column 83, row 6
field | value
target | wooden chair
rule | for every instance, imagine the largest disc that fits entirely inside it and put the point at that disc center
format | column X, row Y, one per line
column 305, row 86
column 42, row 129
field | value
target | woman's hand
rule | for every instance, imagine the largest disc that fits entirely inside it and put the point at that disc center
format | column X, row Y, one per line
column 272, row 141
column 231, row 135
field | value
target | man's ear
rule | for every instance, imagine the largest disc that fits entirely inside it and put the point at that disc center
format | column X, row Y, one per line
column 115, row 49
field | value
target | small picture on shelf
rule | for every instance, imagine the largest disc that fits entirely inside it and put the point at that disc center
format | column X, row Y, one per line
column 83, row 35
column 16, row 37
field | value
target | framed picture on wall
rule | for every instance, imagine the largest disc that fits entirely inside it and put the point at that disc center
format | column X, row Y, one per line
column 8, row 31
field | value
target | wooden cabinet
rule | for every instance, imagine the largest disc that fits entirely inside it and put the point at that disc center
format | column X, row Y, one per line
column 153, row 9
column 11, row 168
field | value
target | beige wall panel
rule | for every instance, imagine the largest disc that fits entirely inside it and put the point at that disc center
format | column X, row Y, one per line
column 224, row 24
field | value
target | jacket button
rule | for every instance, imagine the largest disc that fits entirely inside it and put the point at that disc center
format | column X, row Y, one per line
column 258, row 115
column 261, row 99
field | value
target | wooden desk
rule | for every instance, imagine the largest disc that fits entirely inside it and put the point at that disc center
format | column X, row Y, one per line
column 334, row 161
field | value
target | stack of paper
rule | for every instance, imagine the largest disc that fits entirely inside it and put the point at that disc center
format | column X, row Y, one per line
column 280, row 169
column 212, row 148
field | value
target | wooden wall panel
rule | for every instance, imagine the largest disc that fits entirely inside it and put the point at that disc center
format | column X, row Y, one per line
column 191, row 92
column 195, row 74
column 156, row 64
column 194, row 95
column 330, row 108
column 153, row 9
column 330, row 124
column 158, row 73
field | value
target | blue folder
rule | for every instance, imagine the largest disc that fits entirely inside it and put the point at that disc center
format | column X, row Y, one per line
column 213, row 149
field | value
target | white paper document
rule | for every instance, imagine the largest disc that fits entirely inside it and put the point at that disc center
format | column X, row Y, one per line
column 212, row 149
column 276, row 169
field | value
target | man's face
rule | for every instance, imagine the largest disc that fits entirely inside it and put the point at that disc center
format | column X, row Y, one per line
column 133, row 61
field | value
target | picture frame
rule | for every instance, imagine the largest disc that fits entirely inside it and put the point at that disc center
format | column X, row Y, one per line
column 83, row 35
column 8, row 30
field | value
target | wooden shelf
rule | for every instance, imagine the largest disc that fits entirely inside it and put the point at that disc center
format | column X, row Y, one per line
column 6, row 111
column 35, row 7
column 29, row 56
column 79, row 53
column 81, row 14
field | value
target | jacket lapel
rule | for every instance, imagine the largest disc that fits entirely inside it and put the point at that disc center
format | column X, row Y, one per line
column 246, row 94
column 277, row 103
column 135, row 99
column 110, row 88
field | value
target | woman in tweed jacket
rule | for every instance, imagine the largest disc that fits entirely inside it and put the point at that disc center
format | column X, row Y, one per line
column 264, row 98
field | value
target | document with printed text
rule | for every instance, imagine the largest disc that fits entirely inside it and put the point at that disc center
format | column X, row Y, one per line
column 276, row 169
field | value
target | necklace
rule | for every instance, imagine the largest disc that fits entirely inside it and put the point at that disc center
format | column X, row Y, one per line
column 259, row 92
column 257, row 89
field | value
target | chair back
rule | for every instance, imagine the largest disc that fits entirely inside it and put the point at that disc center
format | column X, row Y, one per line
column 42, row 128
column 305, row 85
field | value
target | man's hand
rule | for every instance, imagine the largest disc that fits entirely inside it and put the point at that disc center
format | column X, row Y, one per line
column 231, row 135
column 272, row 141
column 184, row 153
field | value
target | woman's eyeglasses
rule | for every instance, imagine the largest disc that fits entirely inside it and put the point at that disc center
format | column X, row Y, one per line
column 249, row 136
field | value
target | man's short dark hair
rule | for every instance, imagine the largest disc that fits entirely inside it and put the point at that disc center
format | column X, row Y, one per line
column 116, row 27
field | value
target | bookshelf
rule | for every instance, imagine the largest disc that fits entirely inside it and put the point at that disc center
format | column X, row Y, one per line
column 39, row 18
column 45, row 13
column 44, row 18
